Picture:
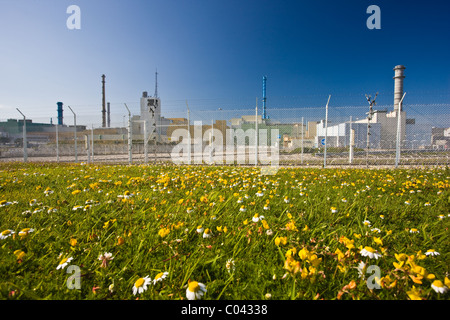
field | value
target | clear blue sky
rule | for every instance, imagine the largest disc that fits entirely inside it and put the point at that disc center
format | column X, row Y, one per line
column 211, row 52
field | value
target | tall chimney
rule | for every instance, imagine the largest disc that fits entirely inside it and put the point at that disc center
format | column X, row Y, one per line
column 60, row 113
column 103, row 102
column 398, row 85
column 264, row 97
column 109, row 116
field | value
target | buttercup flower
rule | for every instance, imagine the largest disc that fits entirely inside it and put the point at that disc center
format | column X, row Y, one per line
column 195, row 290
column 141, row 285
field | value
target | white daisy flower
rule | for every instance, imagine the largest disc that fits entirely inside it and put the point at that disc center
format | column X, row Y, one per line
column 141, row 285
column 370, row 252
column 207, row 233
column 195, row 290
column 7, row 233
column 255, row 218
column 199, row 229
column 160, row 276
column 432, row 252
column 259, row 193
column 439, row 287
column 366, row 223
column 63, row 263
column 242, row 209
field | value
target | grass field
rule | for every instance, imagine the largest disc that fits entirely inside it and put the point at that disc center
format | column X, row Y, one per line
column 75, row 231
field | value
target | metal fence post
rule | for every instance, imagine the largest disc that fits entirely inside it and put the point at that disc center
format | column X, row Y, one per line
column 130, row 139
column 301, row 157
column 256, row 133
column 25, row 152
column 399, row 123
column 189, row 133
column 326, row 134
column 57, row 143
column 75, row 134
column 350, row 142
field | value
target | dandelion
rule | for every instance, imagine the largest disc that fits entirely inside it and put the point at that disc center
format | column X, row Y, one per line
column 195, row 290
column 63, row 263
column 6, row 233
column 432, row 252
column 370, row 252
column 160, row 277
column 105, row 258
column 141, row 285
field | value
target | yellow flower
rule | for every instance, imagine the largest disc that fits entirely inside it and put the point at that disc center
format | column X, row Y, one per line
column 73, row 242
column 378, row 241
column 163, row 232
column 414, row 294
column 280, row 240
column 19, row 254
column 195, row 290
column 303, row 254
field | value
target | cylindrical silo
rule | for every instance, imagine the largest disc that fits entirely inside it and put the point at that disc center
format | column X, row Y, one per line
column 60, row 112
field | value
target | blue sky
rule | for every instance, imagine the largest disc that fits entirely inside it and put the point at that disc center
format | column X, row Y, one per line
column 215, row 53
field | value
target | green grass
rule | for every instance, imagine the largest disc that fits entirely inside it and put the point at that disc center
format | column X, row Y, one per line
column 161, row 196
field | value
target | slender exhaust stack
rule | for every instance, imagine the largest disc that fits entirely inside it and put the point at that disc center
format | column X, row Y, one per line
column 103, row 102
column 60, row 113
column 109, row 116
column 398, row 85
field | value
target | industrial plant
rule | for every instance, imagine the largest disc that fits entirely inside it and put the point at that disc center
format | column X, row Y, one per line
column 378, row 131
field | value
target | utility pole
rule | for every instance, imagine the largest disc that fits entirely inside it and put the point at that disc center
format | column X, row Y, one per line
column 189, row 133
column 369, row 117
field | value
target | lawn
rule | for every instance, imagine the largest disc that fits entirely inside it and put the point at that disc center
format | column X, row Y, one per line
column 77, row 231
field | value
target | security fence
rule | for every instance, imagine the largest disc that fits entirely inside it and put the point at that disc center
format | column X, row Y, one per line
column 304, row 136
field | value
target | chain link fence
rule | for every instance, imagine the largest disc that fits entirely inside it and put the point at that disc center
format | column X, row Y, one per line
column 301, row 136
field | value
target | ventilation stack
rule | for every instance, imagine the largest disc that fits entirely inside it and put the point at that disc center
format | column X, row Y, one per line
column 264, row 98
column 398, row 85
column 60, row 113
column 103, row 102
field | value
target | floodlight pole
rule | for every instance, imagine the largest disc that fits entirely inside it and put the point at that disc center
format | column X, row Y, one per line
column 130, row 153
column 25, row 154
column 75, row 134
column 397, row 147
